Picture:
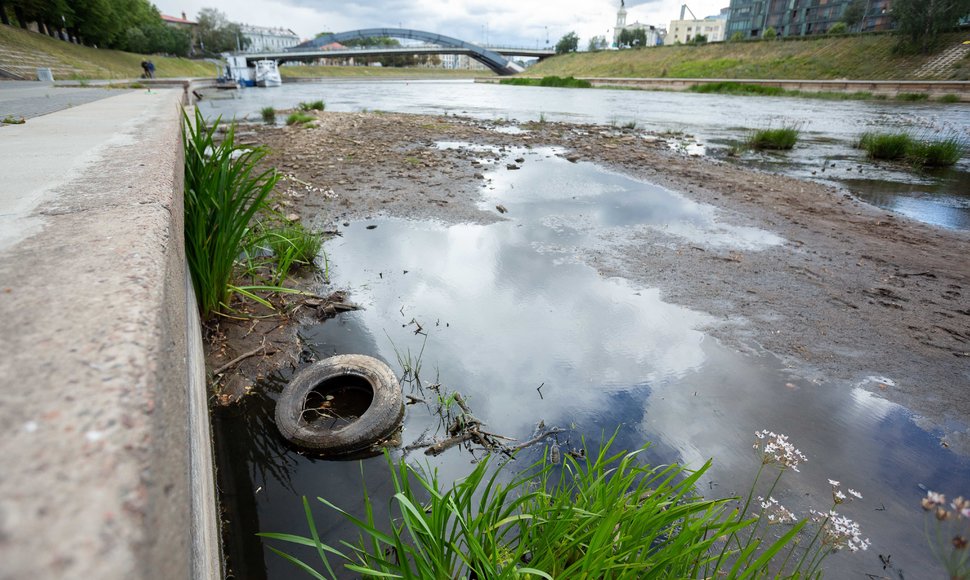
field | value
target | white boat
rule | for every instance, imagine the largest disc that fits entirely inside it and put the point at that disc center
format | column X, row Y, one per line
column 263, row 73
column 267, row 74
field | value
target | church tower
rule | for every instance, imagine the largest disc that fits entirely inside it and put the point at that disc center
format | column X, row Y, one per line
column 620, row 22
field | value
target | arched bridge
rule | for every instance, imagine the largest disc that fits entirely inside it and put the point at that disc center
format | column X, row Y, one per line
column 492, row 58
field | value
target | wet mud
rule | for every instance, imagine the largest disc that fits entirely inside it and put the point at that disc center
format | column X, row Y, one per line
column 852, row 291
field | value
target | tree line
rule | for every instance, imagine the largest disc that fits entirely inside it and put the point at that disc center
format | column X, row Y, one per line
column 130, row 25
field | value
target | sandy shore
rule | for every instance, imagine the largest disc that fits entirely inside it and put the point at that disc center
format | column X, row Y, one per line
column 854, row 292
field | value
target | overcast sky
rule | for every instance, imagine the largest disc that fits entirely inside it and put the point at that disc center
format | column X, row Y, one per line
column 506, row 22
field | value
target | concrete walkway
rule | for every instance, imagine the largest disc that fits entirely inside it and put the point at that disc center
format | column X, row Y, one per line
column 106, row 449
column 28, row 99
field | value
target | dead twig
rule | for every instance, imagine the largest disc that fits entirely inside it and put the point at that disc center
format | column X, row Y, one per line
column 538, row 439
column 239, row 359
column 446, row 444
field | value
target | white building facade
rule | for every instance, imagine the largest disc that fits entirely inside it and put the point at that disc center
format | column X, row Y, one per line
column 684, row 31
column 654, row 34
column 265, row 39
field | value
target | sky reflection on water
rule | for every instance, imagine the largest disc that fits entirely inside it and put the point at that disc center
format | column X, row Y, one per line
column 507, row 307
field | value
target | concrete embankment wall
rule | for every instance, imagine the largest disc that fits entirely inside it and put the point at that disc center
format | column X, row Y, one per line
column 933, row 89
column 104, row 435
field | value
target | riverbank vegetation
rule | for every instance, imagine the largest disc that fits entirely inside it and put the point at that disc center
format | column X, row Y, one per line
column 231, row 236
column 550, row 81
column 73, row 61
column 780, row 139
column 587, row 514
column 867, row 56
column 299, row 117
column 918, row 151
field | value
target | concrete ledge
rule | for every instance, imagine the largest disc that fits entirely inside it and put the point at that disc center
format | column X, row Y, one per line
column 95, row 374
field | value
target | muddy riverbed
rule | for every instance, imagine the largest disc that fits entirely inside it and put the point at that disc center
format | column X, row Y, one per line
column 828, row 301
column 850, row 292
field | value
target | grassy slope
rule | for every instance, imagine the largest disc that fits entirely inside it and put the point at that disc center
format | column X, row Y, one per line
column 851, row 57
column 96, row 63
column 93, row 63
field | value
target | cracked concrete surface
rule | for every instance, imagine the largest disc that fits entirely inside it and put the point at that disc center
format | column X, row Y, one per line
column 94, row 426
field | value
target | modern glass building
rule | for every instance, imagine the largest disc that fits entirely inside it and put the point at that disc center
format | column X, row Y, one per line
column 804, row 17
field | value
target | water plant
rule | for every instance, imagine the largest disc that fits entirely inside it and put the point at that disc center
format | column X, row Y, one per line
column 889, row 146
column 919, row 152
column 949, row 540
column 935, row 153
column 224, row 190
column 292, row 245
column 583, row 515
column 312, row 106
column 781, row 139
column 949, row 98
column 268, row 114
column 301, row 118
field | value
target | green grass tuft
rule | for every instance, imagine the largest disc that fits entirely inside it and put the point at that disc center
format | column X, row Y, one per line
column 312, row 106
column 886, row 146
column 224, row 190
column 549, row 81
column 942, row 153
column 598, row 514
column 912, row 97
column 292, row 246
column 295, row 118
column 732, row 88
column 268, row 114
column 919, row 152
column 949, row 98
column 781, row 139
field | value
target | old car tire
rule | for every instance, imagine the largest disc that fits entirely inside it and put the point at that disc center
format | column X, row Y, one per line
column 381, row 418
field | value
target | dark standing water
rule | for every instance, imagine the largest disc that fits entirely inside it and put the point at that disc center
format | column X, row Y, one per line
column 829, row 128
column 508, row 307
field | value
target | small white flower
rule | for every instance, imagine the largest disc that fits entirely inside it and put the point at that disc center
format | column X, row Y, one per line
column 855, row 493
column 833, row 483
column 839, row 495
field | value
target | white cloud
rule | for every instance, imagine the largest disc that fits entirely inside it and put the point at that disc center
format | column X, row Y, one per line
column 504, row 22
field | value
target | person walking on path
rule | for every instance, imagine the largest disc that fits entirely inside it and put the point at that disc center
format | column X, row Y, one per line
column 151, row 70
column 144, row 68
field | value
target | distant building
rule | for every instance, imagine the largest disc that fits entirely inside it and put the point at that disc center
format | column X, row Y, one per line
column 685, row 30
column 801, row 17
column 460, row 62
column 265, row 39
column 185, row 24
column 176, row 22
column 654, row 35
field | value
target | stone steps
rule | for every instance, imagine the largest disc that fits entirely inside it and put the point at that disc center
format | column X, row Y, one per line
column 941, row 65
column 24, row 64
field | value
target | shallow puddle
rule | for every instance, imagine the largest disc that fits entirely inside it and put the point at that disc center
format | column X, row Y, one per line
column 508, row 315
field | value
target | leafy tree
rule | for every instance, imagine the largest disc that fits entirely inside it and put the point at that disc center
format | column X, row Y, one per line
column 217, row 34
column 597, row 43
column 568, row 43
column 769, row 34
column 921, row 21
column 838, row 28
column 737, row 37
column 854, row 13
column 699, row 39
column 632, row 38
